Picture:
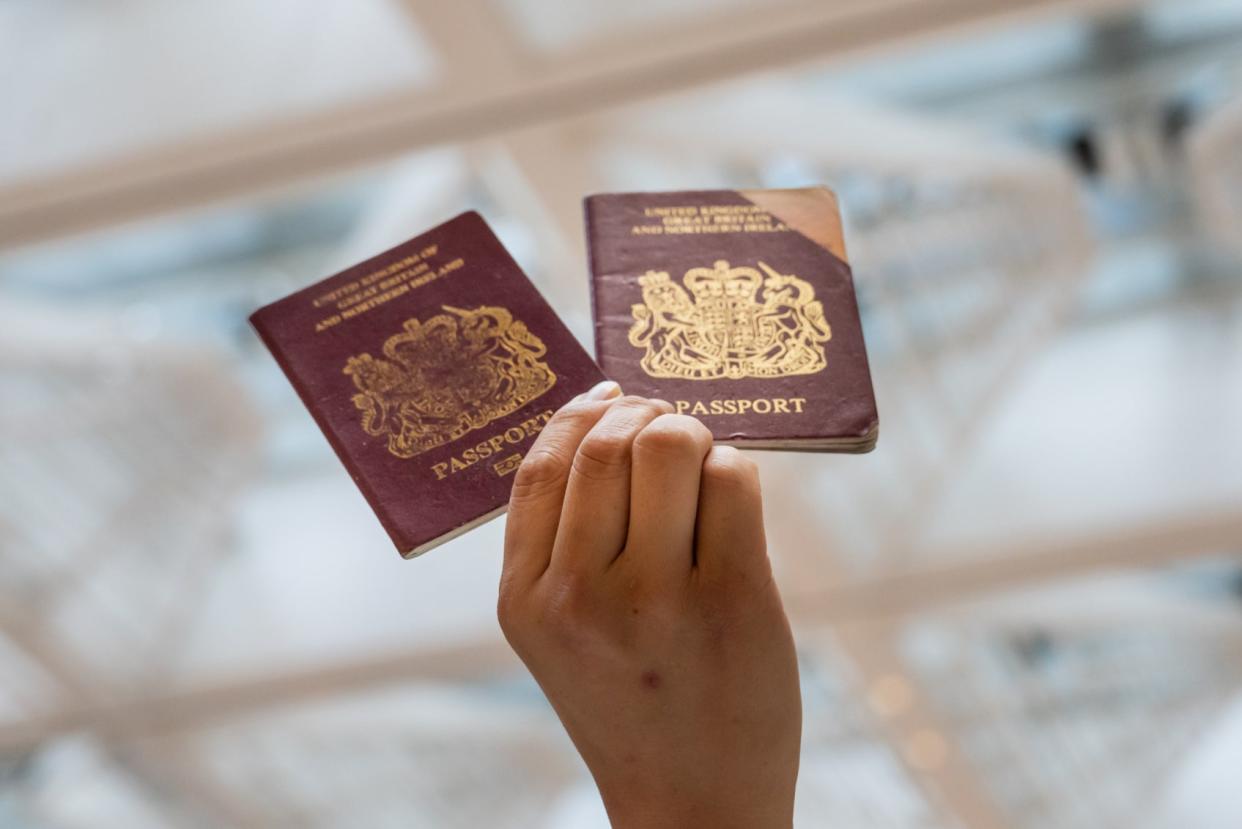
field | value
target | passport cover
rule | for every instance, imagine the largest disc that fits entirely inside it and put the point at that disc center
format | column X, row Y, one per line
column 737, row 307
column 430, row 369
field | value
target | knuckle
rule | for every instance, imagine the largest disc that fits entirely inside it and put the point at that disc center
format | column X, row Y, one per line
column 508, row 611
column 644, row 404
column 605, row 448
column 642, row 591
column 720, row 614
column 602, row 454
column 662, row 406
column 542, row 469
column 674, row 434
column 727, row 467
column 572, row 413
column 632, row 400
column 568, row 608
column 517, row 611
column 574, row 410
column 740, row 595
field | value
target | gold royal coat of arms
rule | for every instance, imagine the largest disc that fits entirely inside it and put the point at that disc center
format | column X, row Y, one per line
column 447, row 376
column 729, row 329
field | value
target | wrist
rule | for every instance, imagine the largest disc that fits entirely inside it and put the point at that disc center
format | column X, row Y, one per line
column 725, row 810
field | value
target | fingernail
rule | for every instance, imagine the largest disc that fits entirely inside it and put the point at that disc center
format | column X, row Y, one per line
column 603, row 391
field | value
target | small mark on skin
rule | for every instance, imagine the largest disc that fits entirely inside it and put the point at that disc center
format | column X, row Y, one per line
column 634, row 611
column 651, row 679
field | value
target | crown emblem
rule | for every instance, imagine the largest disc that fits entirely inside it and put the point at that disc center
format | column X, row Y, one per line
column 740, row 323
column 446, row 377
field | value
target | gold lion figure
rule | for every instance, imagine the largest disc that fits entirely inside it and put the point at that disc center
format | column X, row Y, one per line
column 726, row 330
column 454, row 373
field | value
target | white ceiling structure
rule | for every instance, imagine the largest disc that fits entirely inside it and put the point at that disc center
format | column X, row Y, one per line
column 1016, row 613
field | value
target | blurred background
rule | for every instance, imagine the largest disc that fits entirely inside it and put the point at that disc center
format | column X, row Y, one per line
column 1023, row 610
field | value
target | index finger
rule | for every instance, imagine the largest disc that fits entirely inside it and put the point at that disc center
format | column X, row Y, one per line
column 539, row 486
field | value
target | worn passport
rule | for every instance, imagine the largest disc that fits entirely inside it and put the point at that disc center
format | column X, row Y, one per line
column 738, row 307
column 430, row 369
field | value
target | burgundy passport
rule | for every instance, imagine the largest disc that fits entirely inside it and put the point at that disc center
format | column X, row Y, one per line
column 430, row 369
column 737, row 307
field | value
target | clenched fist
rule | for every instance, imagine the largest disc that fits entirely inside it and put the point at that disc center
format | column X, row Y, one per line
column 637, row 589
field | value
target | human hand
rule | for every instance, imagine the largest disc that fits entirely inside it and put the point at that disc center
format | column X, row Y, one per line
column 637, row 590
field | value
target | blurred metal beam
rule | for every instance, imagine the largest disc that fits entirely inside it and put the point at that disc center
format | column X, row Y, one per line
column 473, row 43
column 998, row 567
column 176, row 779
column 267, row 157
column 1217, row 176
column 170, row 712
column 30, row 636
column 417, row 193
column 979, row 572
column 540, row 176
column 536, row 173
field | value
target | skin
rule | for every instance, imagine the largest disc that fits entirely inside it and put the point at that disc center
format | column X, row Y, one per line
column 638, row 591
